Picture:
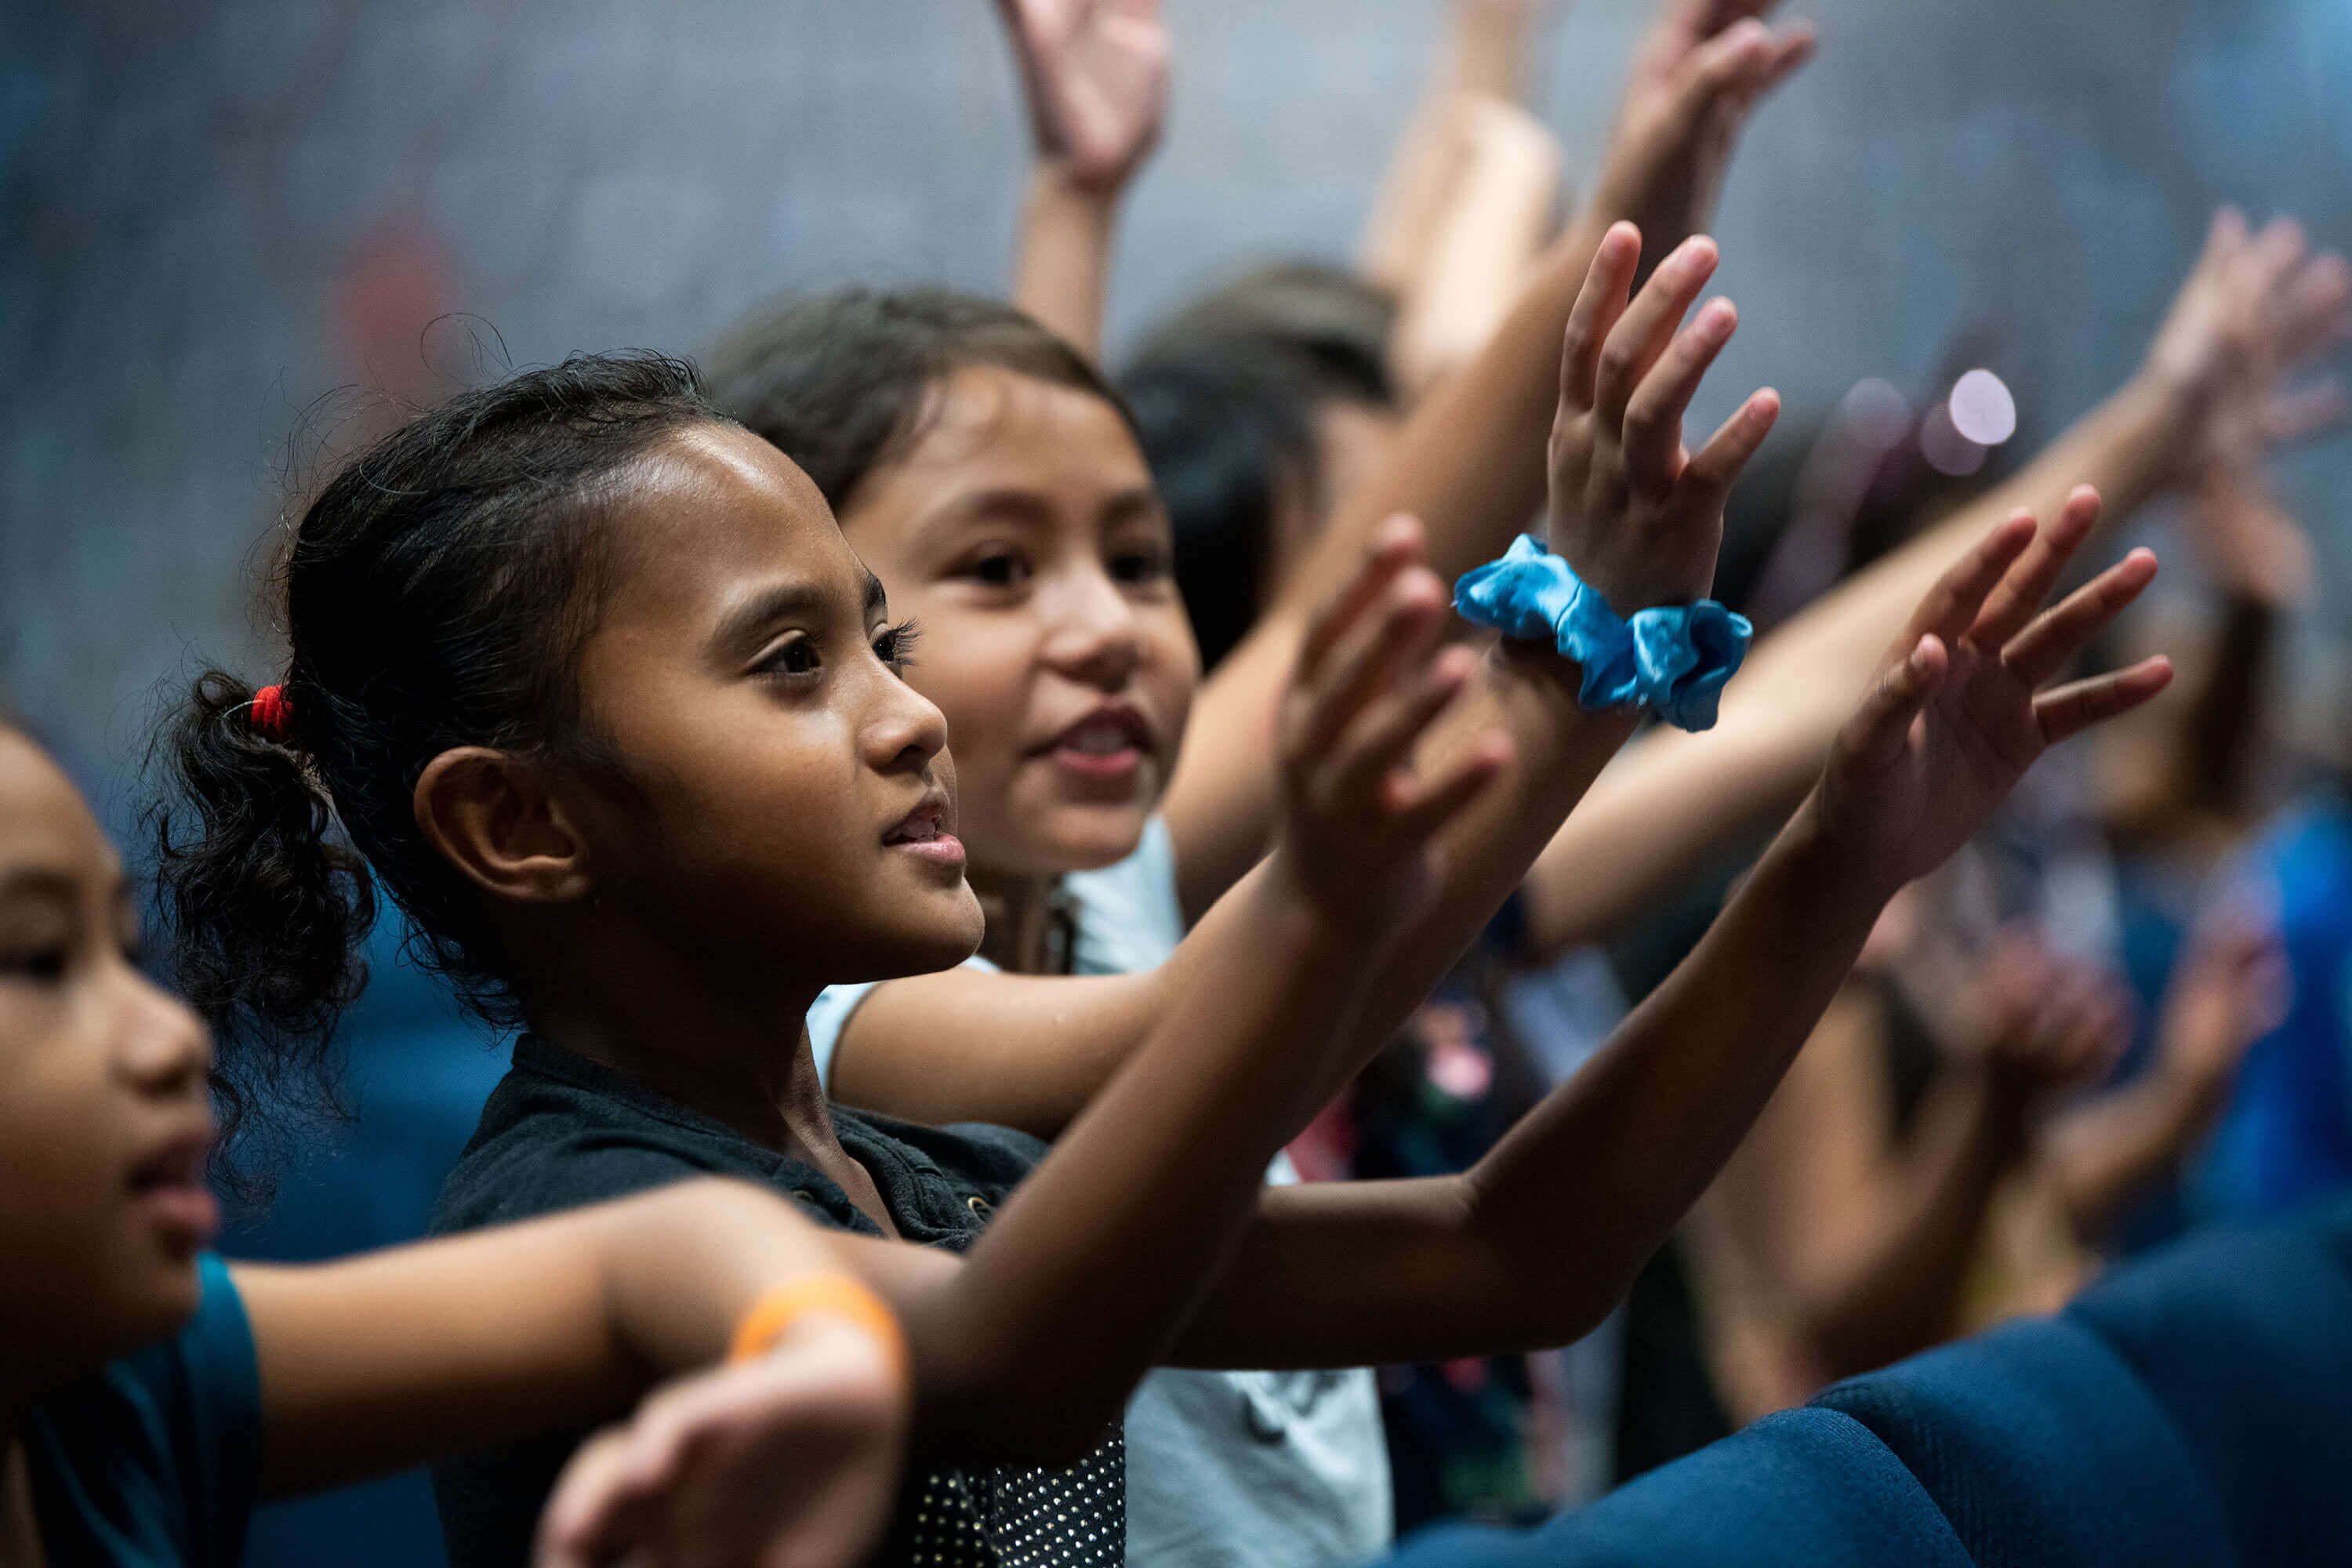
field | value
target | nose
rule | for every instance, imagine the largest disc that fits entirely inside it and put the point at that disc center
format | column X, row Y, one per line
column 907, row 730
column 164, row 1048
column 1093, row 637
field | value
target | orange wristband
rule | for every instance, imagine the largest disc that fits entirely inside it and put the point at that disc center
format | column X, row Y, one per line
column 778, row 1309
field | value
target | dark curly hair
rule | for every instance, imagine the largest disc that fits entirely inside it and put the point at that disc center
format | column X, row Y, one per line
column 436, row 594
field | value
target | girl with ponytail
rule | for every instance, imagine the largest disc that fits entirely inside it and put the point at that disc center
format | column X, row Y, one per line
column 590, row 678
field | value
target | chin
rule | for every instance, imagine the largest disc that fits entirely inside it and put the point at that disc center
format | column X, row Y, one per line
column 925, row 947
column 1088, row 838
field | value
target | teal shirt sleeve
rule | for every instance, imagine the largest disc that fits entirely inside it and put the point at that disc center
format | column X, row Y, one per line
column 155, row 1460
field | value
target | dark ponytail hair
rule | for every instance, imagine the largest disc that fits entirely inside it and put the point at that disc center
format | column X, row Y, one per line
column 436, row 595
column 842, row 383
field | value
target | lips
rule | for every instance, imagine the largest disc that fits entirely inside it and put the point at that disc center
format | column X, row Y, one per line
column 923, row 832
column 169, row 1185
column 1108, row 746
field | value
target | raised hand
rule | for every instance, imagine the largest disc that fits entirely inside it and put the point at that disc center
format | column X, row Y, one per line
column 1634, row 512
column 789, row 1460
column 1096, row 73
column 1704, row 64
column 1373, row 674
column 2044, row 1022
column 2233, row 988
column 1960, row 713
column 2258, row 307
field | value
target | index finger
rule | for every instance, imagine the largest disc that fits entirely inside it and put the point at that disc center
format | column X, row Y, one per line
column 1951, row 606
column 2017, row 598
column 1395, row 545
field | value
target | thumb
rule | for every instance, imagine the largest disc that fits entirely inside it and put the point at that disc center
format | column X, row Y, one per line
column 1876, row 733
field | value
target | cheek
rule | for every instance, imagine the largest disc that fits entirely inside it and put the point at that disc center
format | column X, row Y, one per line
column 978, row 671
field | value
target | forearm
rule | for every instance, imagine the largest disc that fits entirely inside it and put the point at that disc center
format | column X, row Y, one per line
column 1534, row 1246
column 465, row 1344
column 1083, row 1281
column 1894, row 1286
column 1674, row 801
column 1062, row 275
column 2109, row 1152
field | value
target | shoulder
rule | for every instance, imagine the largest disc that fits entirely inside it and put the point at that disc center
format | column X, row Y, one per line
column 159, row 1452
column 547, row 1143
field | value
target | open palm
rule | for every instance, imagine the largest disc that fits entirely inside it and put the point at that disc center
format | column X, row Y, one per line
column 1096, row 76
column 1961, row 711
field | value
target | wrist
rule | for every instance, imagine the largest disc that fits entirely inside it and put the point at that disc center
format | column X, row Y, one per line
column 818, row 1306
column 1833, row 866
column 1058, row 186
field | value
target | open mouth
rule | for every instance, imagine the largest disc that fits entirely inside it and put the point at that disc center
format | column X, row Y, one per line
column 1110, row 743
column 923, row 834
column 169, row 1184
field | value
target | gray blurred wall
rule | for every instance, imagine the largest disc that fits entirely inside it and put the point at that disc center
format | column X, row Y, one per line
column 212, row 213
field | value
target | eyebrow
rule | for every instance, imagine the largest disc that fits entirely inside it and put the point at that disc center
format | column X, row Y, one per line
column 39, row 882
column 744, row 624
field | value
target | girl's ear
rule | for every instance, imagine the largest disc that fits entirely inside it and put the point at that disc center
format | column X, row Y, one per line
column 501, row 822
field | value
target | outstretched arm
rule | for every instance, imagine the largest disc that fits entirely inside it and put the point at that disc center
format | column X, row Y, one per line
column 1859, row 1242
column 1534, row 1245
column 2256, row 306
column 1470, row 461
column 2106, row 1154
column 457, row 1345
column 1638, row 516
column 1096, row 76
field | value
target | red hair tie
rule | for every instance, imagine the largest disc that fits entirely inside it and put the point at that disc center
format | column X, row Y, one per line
column 272, row 713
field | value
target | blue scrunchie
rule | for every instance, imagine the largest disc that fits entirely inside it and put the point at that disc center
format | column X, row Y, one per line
column 1673, row 661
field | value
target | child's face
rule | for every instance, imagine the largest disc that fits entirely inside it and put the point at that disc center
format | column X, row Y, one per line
column 790, row 804
column 105, row 1118
column 1023, row 533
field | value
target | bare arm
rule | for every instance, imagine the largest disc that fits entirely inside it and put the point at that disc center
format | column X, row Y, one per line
column 2106, row 1154
column 453, row 1346
column 1342, row 1274
column 1470, row 463
column 1096, row 76
column 1641, row 518
column 2254, row 306
column 1483, row 58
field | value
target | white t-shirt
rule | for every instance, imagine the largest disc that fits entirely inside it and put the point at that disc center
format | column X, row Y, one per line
column 1225, row 1470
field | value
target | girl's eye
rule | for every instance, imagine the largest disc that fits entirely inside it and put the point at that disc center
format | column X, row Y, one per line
column 797, row 656
column 1142, row 566
column 895, row 646
column 999, row 569
column 41, row 965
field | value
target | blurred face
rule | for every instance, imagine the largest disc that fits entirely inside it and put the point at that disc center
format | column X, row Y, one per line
column 788, row 804
column 104, row 1115
column 1022, row 534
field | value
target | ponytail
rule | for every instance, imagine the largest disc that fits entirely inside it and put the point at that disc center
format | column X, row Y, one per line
column 436, row 593
column 267, row 910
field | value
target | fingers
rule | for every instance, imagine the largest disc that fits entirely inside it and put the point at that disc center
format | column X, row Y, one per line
column 1381, row 741
column 1710, row 474
column 1394, row 637
column 2073, row 709
column 1395, row 545
column 2017, row 597
column 2039, row 652
column 1641, row 333
column 592, row 1517
column 1951, row 606
column 1877, row 730
column 1598, row 305
column 1419, row 811
column 2303, row 412
column 1654, row 419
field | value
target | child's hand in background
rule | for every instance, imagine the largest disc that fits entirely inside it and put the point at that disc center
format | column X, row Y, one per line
column 1703, row 66
column 2258, row 307
column 1958, row 712
column 787, row 1460
column 1633, row 511
column 1373, row 674
column 2045, row 1023
column 1096, row 73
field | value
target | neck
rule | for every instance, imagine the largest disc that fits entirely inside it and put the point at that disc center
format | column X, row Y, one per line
column 1021, row 918
column 733, row 1050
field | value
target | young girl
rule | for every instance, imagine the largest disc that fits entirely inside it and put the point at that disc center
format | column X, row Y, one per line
column 149, row 1395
